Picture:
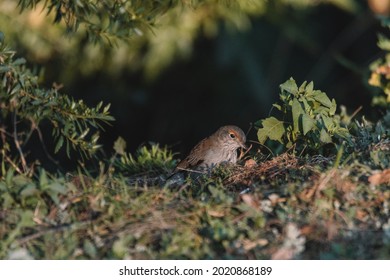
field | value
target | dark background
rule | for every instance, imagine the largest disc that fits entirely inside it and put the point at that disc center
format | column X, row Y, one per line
column 235, row 78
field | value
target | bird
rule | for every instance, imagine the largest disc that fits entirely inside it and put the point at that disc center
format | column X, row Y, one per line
column 220, row 147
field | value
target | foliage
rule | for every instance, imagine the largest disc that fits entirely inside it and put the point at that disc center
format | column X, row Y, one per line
column 25, row 106
column 300, row 209
column 370, row 143
column 124, row 19
column 106, row 19
column 308, row 119
column 380, row 71
column 149, row 159
column 145, row 33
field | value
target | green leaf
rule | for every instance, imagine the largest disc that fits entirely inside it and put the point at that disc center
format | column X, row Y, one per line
column 302, row 86
column 307, row 108
column 325, row 137
column 54, row 196
column 322, row 98
column 20, row 180
column 290, row 86
column 307, row 123
column 383, row 42
column 4, row 69
column 277, row 106
column 30, row 190
column 333, row 108
column 19, row 61
column 273, row 129
column 27, row 219
column 3, row 187
column 119, row 248
column 120, row 146
column 309, row 88
column 9, row 176
column 343, row 133
column 59, row 144
column 57, row 187
column 90, row 249
column 297, row 112
column 328, row 122
column 68, row 148
column 43, row 180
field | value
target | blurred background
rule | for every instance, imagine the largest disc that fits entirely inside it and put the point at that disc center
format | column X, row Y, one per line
column 200, row 68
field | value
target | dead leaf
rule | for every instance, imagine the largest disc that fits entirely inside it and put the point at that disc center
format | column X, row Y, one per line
column 306, row 230
column 283, row 254
column 307, row 194
column 250, row 201
column 250, row 163
column 380, row 178
column 216, row 214
column 361, row 215
column 249, row 244
column 276, row 199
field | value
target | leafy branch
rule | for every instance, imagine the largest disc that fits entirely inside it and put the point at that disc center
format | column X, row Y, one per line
column 22, row 102
column 119, row 19
column 104, row 19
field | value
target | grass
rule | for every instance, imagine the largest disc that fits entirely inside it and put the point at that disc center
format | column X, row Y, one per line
column 286, row 207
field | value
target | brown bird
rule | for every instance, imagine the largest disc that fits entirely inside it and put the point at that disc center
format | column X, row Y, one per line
column 218, row 148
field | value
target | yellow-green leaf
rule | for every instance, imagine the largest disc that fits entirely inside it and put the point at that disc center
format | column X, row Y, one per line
column 307, row 123
column 290, row 86
column 322, row 98
column 297, row 112
column 272, row 129
column 325, row 137
column 120, row 146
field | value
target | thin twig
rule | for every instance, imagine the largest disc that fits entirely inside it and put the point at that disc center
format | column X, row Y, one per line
column 17, row 144
column 356, row 111
column 256, row 142
column 249, row 129
column 325, row 181
column 2, row 130
column 191, row 170
column 243, row 153
column 43, row 144
column 13, row 164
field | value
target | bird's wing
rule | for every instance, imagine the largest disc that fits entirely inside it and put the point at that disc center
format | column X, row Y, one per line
column 194, row 159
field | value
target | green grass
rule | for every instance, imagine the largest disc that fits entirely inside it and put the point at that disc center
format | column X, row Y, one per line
column 299, row 208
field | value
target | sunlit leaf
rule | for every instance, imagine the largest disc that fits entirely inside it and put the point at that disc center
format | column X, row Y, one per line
column 290, row 86
column 325, row 137
column 308, row 123
column 272, row 129
column 322, row 98
column 120, row 146
column 297, row 113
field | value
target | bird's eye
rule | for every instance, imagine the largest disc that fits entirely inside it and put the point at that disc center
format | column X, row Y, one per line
column 232, row 135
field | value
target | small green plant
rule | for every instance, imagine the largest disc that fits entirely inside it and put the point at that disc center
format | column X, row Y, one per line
column 308, row 119
column 371, row 142
column 151, row 158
